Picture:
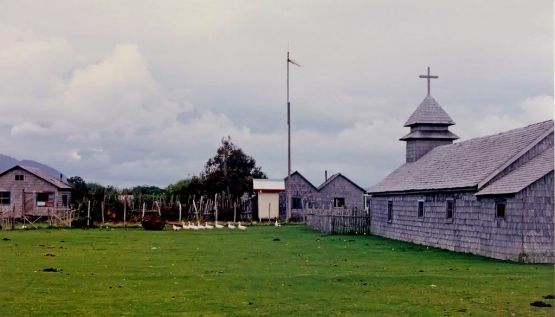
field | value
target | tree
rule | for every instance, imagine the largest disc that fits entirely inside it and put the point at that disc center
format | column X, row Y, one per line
column 179, row 189
column 230, row 170
column 79, row 188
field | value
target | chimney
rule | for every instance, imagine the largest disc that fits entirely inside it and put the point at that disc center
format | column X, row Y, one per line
column 326, row 175
column 61, row 177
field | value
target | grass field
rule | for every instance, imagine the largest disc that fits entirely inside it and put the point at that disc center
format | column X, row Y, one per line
column 222, row 272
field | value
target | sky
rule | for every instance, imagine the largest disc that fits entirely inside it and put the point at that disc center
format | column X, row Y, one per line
column 142, row 92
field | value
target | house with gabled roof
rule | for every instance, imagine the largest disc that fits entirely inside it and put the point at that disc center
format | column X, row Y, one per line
column 491, row 196
column 30, row 191
column 337, row 191
column 303, row 195
column 340, row 192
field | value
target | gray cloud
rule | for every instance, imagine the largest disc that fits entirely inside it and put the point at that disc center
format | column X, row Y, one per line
column 141, row 92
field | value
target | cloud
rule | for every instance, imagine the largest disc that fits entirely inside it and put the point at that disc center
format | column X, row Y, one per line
column 135, row 92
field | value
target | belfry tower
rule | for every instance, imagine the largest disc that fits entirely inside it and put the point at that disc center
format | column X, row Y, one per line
column 429, row 126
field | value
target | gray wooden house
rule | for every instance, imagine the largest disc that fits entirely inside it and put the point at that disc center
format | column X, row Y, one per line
column 491, row 196
column 337, row 191
column 340, row 192
column 32, row 192
column 303, row 195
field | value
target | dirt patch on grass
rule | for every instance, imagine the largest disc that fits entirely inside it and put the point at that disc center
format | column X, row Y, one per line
column 52, row 269
column 540, row 303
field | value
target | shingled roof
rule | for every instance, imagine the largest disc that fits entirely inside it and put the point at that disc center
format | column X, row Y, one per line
column 40, row 174
column 429, row 112
column 304, row 178
column 464, row 164
column 523, row 176
column 333, row 177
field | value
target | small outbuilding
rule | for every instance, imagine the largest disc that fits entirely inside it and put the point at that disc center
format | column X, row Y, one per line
column 268, row 196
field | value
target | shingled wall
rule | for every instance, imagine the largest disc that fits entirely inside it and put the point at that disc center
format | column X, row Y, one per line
column 418, row 148
column 299, row 188
column 340, row 187
column 525, row 234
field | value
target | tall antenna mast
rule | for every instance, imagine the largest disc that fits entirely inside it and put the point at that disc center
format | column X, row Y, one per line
column 288, row 204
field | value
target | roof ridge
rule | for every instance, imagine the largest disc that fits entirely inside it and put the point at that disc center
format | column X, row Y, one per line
column 304, row 178
column 502, row 132
column 336, row 175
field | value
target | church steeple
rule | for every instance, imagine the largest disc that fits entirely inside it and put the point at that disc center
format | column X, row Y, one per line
column 429, row 127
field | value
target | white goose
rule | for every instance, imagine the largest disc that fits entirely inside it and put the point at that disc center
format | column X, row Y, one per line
column 193, row 226
column 176, row 228
column 241, row 227
column 230, row 226
column 277, row 224
column 200, row 226
column 218, row 226
column 207, row 226
column 185, row 226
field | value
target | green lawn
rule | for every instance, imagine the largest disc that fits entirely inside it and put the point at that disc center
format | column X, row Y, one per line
column 222, row 272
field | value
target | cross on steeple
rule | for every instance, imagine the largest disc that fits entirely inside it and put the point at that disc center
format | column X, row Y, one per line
column 428, row 77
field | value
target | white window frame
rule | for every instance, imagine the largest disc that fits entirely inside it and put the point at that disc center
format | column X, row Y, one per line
column 420, row 216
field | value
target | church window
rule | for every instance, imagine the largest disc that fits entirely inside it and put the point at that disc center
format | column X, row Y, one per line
column 19, row 177
column 500, row 209
column 390, row 211
column 296, row 203
column 450, row 209
column 420, row 209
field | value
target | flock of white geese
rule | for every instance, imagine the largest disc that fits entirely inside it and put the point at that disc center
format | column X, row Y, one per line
column 198, row 226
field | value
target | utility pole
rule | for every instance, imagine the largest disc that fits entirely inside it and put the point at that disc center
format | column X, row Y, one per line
column 288, row 204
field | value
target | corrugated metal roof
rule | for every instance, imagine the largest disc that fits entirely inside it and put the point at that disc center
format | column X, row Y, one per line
column 523, row 176
column 462, row 164
column 429, row 112
column 268, row 184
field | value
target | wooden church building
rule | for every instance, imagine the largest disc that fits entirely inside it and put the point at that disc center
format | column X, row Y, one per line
column 491, row 196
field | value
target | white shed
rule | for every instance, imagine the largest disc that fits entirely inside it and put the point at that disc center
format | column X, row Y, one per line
column 268, row 196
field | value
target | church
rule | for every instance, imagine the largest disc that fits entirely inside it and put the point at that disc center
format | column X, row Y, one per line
column 490, row 196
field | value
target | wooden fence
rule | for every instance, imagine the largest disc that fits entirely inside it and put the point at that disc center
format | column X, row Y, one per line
column 339, row 221
column 54, row 216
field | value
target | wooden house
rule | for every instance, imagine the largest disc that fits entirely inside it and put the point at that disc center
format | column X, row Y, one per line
column 340, row 192
column 303, row 195
column 337, row 191
column 30, row 191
